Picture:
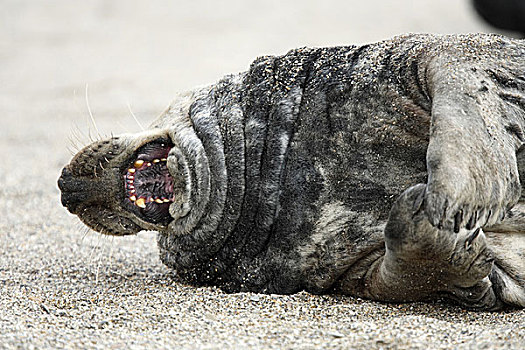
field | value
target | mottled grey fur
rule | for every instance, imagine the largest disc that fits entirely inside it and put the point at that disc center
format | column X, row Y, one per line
column 387, row 171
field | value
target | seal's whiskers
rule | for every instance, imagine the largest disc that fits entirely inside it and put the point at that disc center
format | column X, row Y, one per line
column 135, row 117
column 91, row 114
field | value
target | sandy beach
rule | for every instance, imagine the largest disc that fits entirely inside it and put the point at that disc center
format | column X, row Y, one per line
column 65, row 287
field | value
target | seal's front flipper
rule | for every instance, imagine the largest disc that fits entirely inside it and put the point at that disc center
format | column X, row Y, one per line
column 477, row 125
column 423, row 262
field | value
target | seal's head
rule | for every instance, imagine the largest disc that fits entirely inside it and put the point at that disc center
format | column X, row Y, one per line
column 126, row 183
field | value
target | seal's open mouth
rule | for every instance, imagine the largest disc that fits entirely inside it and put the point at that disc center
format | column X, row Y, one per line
column 148, row 185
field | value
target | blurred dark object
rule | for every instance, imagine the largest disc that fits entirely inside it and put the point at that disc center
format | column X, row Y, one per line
column 503, row 14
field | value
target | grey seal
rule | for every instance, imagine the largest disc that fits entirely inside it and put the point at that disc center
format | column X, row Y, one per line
column 389, row 171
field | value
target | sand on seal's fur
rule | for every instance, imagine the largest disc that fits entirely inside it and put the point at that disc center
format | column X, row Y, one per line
column 62, row 288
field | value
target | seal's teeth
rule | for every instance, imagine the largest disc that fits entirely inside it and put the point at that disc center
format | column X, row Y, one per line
column 156, row 160
column 133, row 198
column 166, row 200
column 138, row 163
column 163, row 159
column 160, row 201
column 149, row 164
column 141, row 203
column 132, row 170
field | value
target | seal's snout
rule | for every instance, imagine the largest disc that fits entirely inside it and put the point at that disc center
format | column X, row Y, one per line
column 88, row 198
column 77, row 190
column 73, row 190
column 118, row 190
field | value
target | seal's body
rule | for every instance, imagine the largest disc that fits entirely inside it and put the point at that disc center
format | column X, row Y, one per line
column 383, row 171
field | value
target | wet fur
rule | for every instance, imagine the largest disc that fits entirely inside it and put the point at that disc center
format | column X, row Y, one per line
column 299, row 173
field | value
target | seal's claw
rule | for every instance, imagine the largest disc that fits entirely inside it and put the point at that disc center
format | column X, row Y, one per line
column 458, row 218
column 471, row 238
column 450, row 213
column 471, row 223
column 435, row 208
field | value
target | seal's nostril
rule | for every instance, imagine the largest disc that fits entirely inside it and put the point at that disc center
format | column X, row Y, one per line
column 66, row 181
column 68, row 197
column 61, row 183
column 66, row 172
column 67, row 202
column 74, row 190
